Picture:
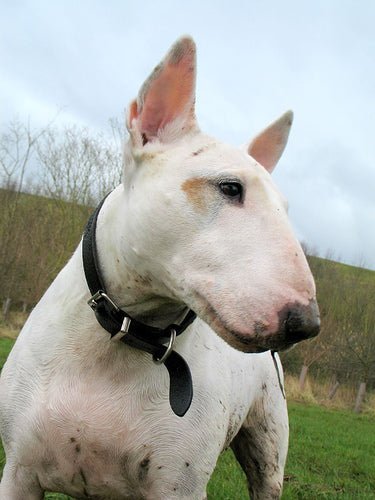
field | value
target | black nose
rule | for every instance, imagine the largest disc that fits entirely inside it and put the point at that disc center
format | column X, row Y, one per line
column 301, row 322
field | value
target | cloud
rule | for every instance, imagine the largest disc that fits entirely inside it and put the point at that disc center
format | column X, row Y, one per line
column 332, row 203
column 256, row 59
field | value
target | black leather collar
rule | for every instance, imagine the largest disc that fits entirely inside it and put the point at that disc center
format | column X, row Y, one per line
column 130, row 331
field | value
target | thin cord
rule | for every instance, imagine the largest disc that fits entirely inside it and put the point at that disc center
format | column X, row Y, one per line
column 278, row 373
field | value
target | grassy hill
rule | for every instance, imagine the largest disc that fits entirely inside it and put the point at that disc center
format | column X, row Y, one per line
column 37, row 237
column 344, row 272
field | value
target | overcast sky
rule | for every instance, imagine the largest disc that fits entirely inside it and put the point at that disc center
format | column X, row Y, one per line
column 256, row 59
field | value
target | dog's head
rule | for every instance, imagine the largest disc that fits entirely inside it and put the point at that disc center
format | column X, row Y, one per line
column 207, row 219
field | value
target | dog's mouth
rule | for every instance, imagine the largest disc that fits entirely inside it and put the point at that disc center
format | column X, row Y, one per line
column 257, row 345
column 258, row 340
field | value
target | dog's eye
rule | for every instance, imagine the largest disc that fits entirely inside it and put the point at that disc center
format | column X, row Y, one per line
column 232, row 190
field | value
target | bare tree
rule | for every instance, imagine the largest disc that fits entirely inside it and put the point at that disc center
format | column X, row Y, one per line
column 17, row 145
column 78, row 166
column 73, row 168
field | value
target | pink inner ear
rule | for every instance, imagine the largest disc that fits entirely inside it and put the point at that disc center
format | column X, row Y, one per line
column 267, row 149
column 170, row 94
column 268, row 146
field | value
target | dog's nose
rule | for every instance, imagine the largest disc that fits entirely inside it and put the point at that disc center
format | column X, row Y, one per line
column 301, row 322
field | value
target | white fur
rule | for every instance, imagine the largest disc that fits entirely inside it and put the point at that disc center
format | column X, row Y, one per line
column 90, row 417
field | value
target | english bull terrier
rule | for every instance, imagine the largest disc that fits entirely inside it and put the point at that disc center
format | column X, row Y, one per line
column 195, row 280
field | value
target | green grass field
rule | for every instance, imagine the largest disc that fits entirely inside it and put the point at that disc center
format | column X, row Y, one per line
column 331, row 456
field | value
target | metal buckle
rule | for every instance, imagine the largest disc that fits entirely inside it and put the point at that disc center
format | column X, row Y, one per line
column 169, row 349
column 93, row 301
column 123, row 330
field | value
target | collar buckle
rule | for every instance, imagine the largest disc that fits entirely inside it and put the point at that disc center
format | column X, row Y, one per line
column 99, row 295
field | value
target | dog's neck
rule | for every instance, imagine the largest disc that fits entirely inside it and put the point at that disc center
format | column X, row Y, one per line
column 137, row 292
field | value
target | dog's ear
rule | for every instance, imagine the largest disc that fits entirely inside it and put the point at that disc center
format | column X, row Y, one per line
column 267, row 147
column 164, row 109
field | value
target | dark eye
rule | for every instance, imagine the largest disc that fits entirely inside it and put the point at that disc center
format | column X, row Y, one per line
column 231, row 189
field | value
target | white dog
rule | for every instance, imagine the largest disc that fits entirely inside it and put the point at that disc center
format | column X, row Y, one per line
column 87, row 407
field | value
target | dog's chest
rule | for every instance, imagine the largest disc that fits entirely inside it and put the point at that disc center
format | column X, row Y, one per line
column 93, row 438
column 106, row 429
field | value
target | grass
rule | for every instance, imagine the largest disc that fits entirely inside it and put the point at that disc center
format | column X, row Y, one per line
column 331, row 456
column 6, row 345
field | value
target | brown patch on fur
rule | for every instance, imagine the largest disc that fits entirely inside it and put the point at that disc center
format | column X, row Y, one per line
column 143, row 469
column 196, row 190
column 198, row 151
column 145, row 156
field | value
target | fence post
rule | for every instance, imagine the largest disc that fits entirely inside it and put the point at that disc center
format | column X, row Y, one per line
column 360, row 397
column 333, row 390
column 302, row 377
column 6, row 307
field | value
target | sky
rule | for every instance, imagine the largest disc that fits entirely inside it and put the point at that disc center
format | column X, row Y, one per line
column 83, row 61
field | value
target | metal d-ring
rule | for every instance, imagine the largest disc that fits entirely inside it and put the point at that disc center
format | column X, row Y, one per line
column 169, row 349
